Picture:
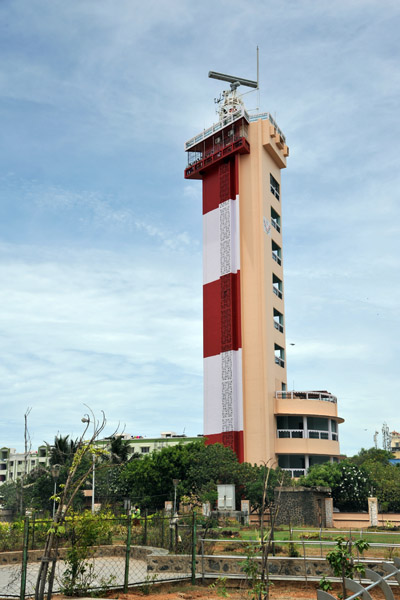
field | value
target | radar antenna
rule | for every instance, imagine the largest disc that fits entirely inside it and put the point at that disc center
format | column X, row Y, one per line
column 230, row 100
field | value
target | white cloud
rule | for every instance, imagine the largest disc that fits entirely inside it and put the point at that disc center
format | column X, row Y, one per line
column 97, row 328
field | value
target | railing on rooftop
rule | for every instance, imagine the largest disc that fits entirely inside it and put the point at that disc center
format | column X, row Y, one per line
column 292, row 395
column 228, row 120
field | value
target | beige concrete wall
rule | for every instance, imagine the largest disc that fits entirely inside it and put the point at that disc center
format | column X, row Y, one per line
column 361, row 520
column 306, row 446
column 307, row 407
column 261, row 376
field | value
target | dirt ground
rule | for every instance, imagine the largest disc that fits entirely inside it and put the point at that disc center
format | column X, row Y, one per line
column 278, row 591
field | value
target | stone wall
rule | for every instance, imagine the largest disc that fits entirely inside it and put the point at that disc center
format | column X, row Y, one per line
column 226, row 566
column 137, row 552
column 301, row 506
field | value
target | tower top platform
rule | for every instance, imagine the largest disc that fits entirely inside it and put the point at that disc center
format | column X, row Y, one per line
column 229, row 119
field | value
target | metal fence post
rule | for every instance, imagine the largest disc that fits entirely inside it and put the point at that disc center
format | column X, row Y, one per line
column 145, row 528
column 194, row 540
column 162, row 528
column 128, row 552
column 33, row 530
column 24, row 559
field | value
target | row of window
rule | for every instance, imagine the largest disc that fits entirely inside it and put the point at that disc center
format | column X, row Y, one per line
column 298, row 464
column 319, row 428
column 276, row 281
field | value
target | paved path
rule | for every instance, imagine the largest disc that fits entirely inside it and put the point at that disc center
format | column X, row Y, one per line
column 109, row 571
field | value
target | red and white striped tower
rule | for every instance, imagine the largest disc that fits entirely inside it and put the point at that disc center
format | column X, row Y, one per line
column 218, row 167
column 246, row 403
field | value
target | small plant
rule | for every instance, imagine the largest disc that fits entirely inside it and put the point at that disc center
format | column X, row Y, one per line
column 220, row 587
column 341, row 559
column 324, row 584
column 292, row 550
column 250, row 566
column 145, row 588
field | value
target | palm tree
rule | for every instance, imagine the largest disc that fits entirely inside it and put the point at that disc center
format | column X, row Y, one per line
column 119, row 450
column 62, row 451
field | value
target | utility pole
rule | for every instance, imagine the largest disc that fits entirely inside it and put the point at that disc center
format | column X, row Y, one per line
column 27, row 449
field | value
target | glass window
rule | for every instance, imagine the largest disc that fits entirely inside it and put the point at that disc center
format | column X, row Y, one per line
column 290, row 422
column 318, row 460
column 317, row 423
column 291, row 461
column 274, row 186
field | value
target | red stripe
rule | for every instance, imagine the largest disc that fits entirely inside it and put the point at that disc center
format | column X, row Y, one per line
column 221, row 315
column 220, row 184
column 230, row 439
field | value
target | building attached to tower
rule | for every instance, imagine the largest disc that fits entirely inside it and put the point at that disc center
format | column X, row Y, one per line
column 246, row 403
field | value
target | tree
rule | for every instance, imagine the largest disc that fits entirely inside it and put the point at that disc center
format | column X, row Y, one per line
column 148, row 481
column 374, row 455
column 75, row 479
column 63, row 450
column 254, row 487
column 119, row 450
column 349, row 483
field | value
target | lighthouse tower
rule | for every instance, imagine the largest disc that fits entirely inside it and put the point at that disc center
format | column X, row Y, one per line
column 246, row 404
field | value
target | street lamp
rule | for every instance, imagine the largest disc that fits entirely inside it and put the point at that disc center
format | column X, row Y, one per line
column 55, row 473
column 86, row 419
column 175, row 482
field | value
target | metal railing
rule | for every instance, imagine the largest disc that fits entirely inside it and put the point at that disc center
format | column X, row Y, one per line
column 293, row 395
column 278, row 326
column 393, row 570
column 277, row 258
column 228, row 120
column 275, row 192
column 277, row 292
column 275, row 225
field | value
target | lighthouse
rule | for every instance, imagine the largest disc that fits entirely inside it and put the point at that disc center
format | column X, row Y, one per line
column 247, row 406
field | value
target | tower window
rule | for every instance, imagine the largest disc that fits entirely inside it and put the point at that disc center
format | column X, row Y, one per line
column 274, row 186
column 276, row 253
column 275, row 220
column 277, row 285
column 278, row 320
column 279, row 355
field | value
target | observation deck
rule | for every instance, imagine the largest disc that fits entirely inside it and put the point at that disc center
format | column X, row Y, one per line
column 224, row 138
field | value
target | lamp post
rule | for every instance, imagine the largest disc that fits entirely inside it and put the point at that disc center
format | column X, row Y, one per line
column 86, row 419
column 55, row 473
column 175, row 482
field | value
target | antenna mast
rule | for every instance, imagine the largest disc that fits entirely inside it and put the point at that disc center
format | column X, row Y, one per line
column 230, row 100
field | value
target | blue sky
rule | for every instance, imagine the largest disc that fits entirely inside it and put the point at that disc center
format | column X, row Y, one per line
column 100, row 235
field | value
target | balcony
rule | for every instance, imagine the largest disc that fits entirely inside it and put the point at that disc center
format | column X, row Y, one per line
column 237, row 145
column 277, row 292
column 312, row 434
column 295, row 473
column 278, row 326
column 317, row 395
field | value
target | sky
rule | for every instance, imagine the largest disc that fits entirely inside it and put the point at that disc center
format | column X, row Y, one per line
column 100, row 235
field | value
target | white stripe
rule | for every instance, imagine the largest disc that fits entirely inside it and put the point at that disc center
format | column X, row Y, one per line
column 211, row 246
column 223, row 392
column 221, row 241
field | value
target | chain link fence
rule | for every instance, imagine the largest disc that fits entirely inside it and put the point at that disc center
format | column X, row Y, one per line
column 110, row 553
